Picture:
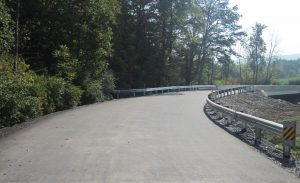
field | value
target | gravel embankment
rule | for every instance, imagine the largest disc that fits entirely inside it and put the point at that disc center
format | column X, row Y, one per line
column 261, row 106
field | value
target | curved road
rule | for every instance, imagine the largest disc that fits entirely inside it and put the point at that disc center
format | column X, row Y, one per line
column 164, row 138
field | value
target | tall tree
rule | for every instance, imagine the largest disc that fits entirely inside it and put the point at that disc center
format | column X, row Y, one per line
column 256, row 50
column 220, row 32
column 271, row 58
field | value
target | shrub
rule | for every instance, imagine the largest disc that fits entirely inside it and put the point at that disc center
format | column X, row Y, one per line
column 25, row 95
column 72, row 97
column 108, row 85
column 55, row 94
column 61, row 95
column 17, row 102
column 93, row 92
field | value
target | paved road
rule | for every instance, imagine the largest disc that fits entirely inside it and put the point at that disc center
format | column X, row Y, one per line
column 147, row 139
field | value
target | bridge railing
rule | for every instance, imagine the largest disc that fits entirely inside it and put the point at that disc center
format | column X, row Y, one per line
column 246, row 119
column 147, row 91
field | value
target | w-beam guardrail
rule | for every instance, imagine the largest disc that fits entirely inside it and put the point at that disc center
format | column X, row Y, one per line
column 286, row 130
column 147, row 91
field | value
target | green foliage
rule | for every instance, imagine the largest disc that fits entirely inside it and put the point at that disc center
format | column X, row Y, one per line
column 55, row 94
column 67, row 65
column 65, row 44
column 17, row 104
column 25, row 95
column 294, row 82
column 163, row 42
column 72, row 96
column 94, row 92
column 219, row 82
column 289, row 68
column 278, row 142
column 287, row 81
column 108, row 84
column 6, row 29
column 61, row 95
column 256, row 49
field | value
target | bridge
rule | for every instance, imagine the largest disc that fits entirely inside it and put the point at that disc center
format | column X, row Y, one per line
column 158, row 138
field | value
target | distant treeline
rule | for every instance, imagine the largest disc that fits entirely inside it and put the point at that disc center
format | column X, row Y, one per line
column 289, row 68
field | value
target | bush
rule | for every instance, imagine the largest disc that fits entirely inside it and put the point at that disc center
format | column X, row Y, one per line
column 61, row 95
column 108, row 85
column 94, row 92
column 17, row 102
column 73, row 95
column 25, row 95
column 55, row 94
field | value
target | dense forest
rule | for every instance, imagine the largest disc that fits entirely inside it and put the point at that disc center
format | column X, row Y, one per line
column 57, row 54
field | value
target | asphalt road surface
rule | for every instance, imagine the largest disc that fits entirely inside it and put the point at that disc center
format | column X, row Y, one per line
column 155, row 139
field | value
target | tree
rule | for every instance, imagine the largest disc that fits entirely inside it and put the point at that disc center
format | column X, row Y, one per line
column 256, row 49
column 271, row 58
column 220, row 32
column 6, row 29
column 83, row 28
column 189, row 27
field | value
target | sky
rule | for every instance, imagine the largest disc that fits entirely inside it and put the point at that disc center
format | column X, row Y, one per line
column 282, row 17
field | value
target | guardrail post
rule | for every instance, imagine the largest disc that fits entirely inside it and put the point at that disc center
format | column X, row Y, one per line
column 257, row 135
column 219, row 114
column 244, row 127
column 289, row 137
column 286, row 153
column 229, row 120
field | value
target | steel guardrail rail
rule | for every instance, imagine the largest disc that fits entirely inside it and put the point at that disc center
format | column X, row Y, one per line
column 267, row 125
column 145, row 91
column 284, row 130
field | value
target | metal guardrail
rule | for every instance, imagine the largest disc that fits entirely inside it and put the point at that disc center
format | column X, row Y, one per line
column 147, row 91
column 287, row 130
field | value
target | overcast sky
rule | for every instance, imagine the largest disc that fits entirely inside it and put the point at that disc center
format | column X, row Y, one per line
column 281, row 16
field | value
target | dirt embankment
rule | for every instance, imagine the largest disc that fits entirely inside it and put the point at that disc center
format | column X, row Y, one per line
column 257, row 104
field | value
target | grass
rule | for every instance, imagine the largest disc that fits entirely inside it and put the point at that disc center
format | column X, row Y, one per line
column 294, row 118
column 296, row 149
column 287, row 81
column 278, row 140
